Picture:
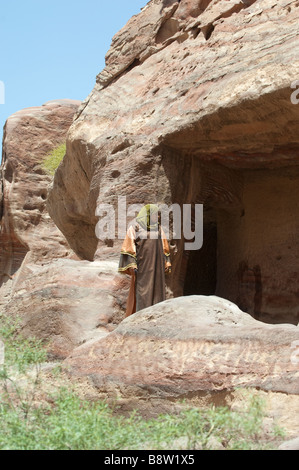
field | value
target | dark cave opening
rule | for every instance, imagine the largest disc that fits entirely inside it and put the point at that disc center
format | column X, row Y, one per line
column 201, row 270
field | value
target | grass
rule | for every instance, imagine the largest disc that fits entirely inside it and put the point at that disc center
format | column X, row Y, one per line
column 52, row 161
column 61, row 420
column 68, row 422
column 20, row 352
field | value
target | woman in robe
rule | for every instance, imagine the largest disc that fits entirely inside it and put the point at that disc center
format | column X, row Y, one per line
column 145, row 256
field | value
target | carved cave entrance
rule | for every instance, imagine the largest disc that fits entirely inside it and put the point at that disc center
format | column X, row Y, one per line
column 250, row 252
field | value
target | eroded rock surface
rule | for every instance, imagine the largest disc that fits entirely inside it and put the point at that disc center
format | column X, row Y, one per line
column 194, row 106
column 66, row 302
column 187, row 347
column 57, row 297
column 25, row 225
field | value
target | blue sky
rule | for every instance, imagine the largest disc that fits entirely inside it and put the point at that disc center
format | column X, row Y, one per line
column 54, row 49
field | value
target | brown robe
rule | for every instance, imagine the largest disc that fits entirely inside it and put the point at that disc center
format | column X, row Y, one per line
column 150, row 257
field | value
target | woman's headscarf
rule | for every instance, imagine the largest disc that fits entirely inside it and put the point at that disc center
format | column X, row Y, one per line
column 144, row 217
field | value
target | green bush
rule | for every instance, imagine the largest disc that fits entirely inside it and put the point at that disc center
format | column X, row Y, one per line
column 52, row 161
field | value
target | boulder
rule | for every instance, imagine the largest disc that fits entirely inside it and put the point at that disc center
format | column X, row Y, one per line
column 66, row 302
column 196, row 348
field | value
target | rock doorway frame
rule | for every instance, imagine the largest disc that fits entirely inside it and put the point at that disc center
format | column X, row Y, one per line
column 250, row 251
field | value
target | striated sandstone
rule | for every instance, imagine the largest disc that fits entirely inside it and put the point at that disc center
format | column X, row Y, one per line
column 186, row 348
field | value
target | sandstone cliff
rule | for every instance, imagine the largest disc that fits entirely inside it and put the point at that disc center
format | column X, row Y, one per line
column 194, row 106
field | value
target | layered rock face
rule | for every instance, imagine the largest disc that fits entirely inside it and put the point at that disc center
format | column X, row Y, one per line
column 194, row 107
column 25, row 225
